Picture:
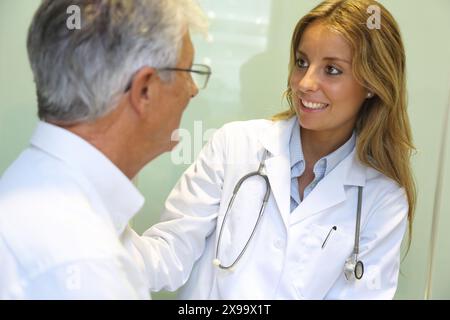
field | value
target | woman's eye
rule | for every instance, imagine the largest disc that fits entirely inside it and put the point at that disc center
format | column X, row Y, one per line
column 301, row 63
column 333, row 71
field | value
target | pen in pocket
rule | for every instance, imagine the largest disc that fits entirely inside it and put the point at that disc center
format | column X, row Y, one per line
column 328, row 235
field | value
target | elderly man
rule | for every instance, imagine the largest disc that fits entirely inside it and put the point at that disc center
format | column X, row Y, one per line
column 110, row 94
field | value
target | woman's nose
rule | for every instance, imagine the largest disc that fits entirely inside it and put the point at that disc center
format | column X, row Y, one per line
column 309, row 82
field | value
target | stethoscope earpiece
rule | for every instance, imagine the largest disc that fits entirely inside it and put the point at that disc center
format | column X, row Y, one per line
column 217, row 263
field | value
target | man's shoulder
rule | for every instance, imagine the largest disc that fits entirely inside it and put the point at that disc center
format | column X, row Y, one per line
column 39, row 188
column 34, row 169
column 42, row 239
column 46, row 217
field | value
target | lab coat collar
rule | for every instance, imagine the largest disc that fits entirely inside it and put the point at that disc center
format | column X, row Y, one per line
column 278, row 168
column 349, row 172
column 116, row 192
column 276, row 138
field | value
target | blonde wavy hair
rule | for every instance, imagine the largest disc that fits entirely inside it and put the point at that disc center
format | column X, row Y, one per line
column 384, row 134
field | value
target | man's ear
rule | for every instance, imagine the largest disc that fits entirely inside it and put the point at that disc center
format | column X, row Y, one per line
column 141, row 89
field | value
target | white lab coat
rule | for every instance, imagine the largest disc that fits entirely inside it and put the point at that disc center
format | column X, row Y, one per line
column 285, row 258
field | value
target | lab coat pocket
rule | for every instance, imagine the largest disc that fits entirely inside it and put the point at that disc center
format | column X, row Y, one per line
column 324, row 250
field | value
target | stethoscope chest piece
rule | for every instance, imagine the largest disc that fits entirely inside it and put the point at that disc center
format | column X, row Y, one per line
column 359, row 270
column 353, row 268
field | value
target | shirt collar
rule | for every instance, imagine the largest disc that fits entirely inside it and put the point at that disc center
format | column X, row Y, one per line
column 331, row 160
column 117, row 193
column 295, row 146
column 334, row 158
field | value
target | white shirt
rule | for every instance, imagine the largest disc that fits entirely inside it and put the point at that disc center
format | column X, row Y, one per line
column 64, row 211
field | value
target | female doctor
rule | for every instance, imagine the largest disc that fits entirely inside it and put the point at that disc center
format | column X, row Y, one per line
column 325, row 215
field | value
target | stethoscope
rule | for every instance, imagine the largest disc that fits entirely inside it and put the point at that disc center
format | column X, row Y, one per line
column 353, row 267
column 258, row 173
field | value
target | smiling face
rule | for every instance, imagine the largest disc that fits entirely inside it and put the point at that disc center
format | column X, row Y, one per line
column 325, row 93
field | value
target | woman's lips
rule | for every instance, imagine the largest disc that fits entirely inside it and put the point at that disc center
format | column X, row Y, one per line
column 310, row 106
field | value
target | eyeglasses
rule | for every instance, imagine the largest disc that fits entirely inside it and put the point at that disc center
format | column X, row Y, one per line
column 200, row 74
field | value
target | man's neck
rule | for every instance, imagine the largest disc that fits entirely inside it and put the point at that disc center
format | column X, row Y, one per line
column 110, row 136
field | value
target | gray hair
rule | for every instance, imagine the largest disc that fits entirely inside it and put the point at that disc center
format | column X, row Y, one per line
column 80, row 74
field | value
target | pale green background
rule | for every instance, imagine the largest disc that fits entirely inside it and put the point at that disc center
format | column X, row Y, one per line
column 248, row 50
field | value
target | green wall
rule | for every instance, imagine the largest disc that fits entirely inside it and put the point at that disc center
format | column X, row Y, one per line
column 248, row 50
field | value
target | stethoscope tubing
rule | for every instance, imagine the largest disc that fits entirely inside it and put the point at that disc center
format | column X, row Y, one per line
column 259, row 173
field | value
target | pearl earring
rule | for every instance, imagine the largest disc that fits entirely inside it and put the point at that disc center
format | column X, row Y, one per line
column 370, row 95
